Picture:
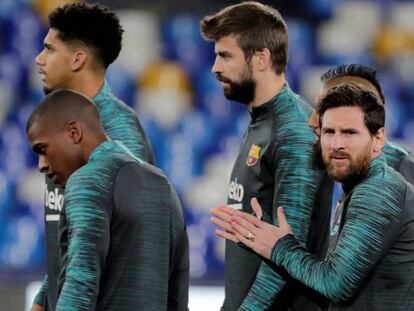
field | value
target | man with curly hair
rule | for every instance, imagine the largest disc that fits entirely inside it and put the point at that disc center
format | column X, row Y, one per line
column 82, row 41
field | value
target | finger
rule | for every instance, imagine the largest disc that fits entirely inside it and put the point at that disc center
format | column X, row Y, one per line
column 282, row 217
column 251, row 219
column 256, row 208
column 222, row 224
column 283, row 220
column 226, row 235
column 244, row 228
column 217, row 208
column 220, row 213
column 244, row 240
column 229, row 210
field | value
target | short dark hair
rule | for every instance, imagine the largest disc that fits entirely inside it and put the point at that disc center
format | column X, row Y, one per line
column 355, row 70
column 92, row 25
column 352, row 94
column 256, row 26
column 58, row 107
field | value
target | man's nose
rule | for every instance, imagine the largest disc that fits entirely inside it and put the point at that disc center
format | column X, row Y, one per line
column 42, row 166
column 337, row 142
column 39, row 59
column 216, row 66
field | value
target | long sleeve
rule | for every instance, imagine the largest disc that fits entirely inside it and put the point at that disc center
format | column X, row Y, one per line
column 120, row 122
column 372, row 224
column 41, row 296
column 295, row 189
column 88, row 231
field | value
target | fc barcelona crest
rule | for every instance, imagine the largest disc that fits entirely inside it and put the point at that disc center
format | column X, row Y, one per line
column 254, row 155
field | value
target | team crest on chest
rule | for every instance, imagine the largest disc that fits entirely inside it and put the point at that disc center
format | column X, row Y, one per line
column 254, row 155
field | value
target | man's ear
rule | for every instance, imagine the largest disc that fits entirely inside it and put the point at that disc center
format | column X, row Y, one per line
column 379, row 141
column 314, row 122
column 78, row 60
column 262, row 59
column 74, row 130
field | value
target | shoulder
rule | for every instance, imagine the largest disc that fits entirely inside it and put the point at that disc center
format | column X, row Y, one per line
column 144, row 184
column 383, row 191
column 110, row 103
column 394, row 154
column 139, row 178
column 290, row 106
column 140, row 171
column 99, row 174
column 406, row 167
column 291, row 115
column 386, row 176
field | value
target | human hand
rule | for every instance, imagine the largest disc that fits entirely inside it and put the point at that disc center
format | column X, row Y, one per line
column 256, row 234
column 36, row 307
column 221, row 218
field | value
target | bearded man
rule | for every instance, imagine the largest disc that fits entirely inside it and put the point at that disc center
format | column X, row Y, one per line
column 251, row 46
column 369, row 264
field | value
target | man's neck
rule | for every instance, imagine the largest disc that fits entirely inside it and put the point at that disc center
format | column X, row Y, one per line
column 267, row 87
column 349, row 185
column 91, row 145
column 88, row 84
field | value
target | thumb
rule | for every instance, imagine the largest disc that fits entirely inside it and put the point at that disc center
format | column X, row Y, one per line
column 256, row 208
column 282, row 217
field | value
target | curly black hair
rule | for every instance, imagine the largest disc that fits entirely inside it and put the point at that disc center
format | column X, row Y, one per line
column 355, row 70
column 92, row 25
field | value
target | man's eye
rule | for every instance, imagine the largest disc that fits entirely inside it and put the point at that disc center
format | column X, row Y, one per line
column 39, row 150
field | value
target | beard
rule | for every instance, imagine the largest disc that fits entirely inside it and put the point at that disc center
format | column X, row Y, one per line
column 317, row 161
column 242, row 91
column 355, row 171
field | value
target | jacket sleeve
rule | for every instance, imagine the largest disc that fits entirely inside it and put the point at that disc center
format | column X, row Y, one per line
column 88, row 219
column 41, row 296
column 372, row 224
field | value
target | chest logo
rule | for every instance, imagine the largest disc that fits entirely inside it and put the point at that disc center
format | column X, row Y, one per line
column 254, row 155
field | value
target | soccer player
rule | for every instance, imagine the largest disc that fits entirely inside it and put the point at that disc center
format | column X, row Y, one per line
column 251, row 46
column 122, row 238
column 83, row 40
column 370, row 260
column 396, row 156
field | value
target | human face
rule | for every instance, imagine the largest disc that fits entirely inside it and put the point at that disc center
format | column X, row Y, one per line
column 346, row 143
column 54, row 62
column 58, row 156
column 233, row 71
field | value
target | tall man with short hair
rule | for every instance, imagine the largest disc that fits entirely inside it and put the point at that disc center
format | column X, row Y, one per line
column 122, row 238
column 82, row 41
column 251, row 46
column 370, row 259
